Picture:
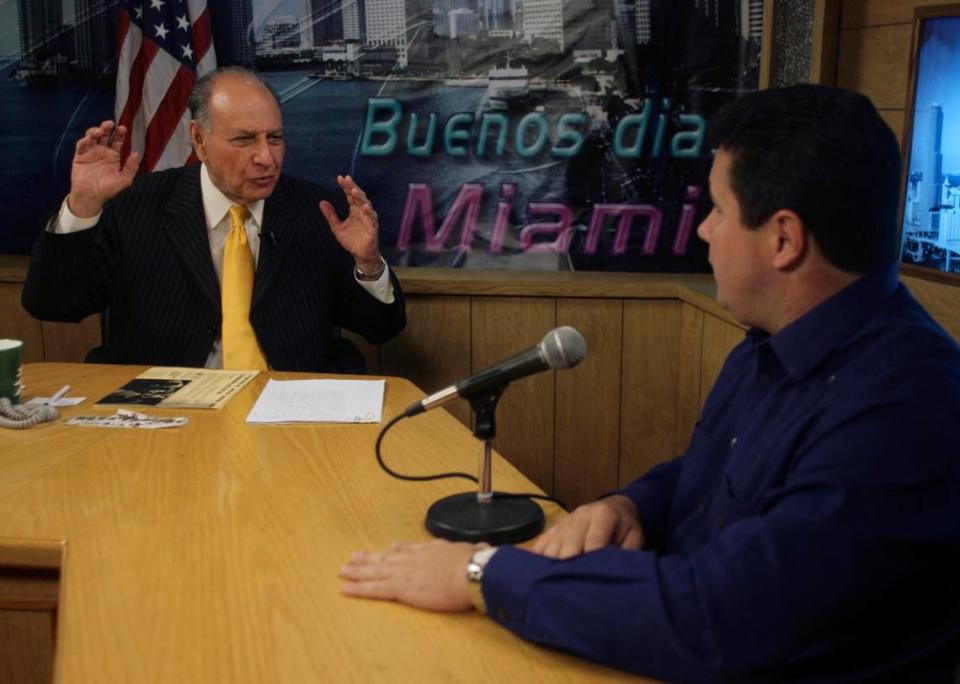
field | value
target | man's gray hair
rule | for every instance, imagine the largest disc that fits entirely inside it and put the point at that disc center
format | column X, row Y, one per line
column 199, row 101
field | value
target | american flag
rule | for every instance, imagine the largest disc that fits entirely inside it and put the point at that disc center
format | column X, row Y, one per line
column 164, row 46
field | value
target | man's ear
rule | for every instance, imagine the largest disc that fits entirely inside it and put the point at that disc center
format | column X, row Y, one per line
column 792, row 241
column 197, row 140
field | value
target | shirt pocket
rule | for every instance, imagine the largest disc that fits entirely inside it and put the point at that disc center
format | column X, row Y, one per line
column 703, row 464
column 744, row 489
column 736, row 502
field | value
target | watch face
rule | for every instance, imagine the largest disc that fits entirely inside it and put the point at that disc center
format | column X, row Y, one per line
column 478, row 561
column 474, row 571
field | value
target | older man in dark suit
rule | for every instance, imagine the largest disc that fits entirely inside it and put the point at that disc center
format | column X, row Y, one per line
column 150, row 248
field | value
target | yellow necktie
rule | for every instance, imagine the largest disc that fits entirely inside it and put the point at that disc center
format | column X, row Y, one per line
column 240, row 348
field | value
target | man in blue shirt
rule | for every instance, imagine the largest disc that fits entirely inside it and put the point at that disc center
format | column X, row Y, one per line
column 811, row 531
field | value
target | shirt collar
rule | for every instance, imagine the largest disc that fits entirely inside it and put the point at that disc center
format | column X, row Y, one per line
column 216, row 204
column 802, row 345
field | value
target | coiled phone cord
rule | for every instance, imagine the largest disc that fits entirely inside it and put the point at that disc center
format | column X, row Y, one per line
column 20, row 416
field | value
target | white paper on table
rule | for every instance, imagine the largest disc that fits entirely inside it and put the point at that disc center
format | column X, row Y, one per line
column 319, row 401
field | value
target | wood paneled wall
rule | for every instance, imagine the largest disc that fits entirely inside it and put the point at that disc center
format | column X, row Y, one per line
column 942, row 300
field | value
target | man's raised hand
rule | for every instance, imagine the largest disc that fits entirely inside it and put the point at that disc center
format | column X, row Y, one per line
column 359, row 232
column 97, row 173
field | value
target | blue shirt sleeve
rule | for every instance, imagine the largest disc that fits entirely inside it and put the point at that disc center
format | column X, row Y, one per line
column 849, row 545
column 652, row 495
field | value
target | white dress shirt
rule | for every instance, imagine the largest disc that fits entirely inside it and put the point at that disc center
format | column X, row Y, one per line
column 216, row 209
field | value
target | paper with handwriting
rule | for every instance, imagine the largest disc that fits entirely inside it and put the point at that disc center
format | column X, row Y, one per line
column 319, row 401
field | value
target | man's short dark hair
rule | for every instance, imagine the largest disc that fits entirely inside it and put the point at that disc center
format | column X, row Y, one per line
column 199, row 101
column 823, row 153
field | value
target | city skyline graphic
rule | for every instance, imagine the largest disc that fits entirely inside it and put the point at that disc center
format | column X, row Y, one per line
column 930, row 233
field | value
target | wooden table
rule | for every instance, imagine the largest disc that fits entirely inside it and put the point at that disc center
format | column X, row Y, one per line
column 210, row 552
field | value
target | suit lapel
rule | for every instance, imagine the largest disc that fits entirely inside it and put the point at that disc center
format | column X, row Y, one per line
column 186, row 227
column 277, row 235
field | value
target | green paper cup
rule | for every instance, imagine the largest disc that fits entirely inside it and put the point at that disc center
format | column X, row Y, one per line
column 11, row 369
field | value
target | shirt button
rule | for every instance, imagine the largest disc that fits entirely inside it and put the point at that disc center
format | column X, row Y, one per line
column 733, row 442
column 831, row 379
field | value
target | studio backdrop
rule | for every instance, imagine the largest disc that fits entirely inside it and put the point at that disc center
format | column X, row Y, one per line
column 534, row 134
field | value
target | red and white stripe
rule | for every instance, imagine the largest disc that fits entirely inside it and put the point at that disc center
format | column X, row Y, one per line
column 153, row 88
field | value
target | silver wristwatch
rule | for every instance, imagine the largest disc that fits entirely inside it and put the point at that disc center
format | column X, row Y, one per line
column 478, row 562
column 370, row 277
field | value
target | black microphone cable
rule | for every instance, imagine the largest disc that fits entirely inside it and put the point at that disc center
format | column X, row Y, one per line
column 442, row 476
column 412, row 478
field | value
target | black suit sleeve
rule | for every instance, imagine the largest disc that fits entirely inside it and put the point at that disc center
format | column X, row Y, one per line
column 359, row 311
column 69, row 275
column 353, row 307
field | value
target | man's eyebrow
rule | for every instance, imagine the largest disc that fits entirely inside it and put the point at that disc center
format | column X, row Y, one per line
column 241, row 133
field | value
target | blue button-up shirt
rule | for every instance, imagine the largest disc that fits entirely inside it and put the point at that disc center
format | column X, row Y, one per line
column 810, row 532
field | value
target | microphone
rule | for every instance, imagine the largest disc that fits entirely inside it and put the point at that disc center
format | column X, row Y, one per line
column 485, row 515
column 562, row 347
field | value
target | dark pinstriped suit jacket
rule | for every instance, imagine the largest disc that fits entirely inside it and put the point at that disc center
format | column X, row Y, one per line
column 148, row 260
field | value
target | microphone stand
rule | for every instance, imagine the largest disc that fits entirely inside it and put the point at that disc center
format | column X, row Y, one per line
column 484, row 516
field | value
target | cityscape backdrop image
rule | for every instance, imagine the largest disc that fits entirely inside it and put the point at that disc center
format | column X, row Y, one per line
column 535, row 134
column 931, row 217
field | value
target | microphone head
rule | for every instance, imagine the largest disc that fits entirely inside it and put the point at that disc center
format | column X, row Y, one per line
column 563, row 347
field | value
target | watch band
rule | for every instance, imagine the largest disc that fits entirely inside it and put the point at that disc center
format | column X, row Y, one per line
column 370, row 277
column 478, row 562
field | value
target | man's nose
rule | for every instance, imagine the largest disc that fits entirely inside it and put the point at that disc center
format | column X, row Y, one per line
column 261, row 152
column 703, row 230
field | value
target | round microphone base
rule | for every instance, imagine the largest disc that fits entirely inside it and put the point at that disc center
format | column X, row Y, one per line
column 499, row 521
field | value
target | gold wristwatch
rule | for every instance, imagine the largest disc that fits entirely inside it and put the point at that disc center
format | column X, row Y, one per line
column 475, row 568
